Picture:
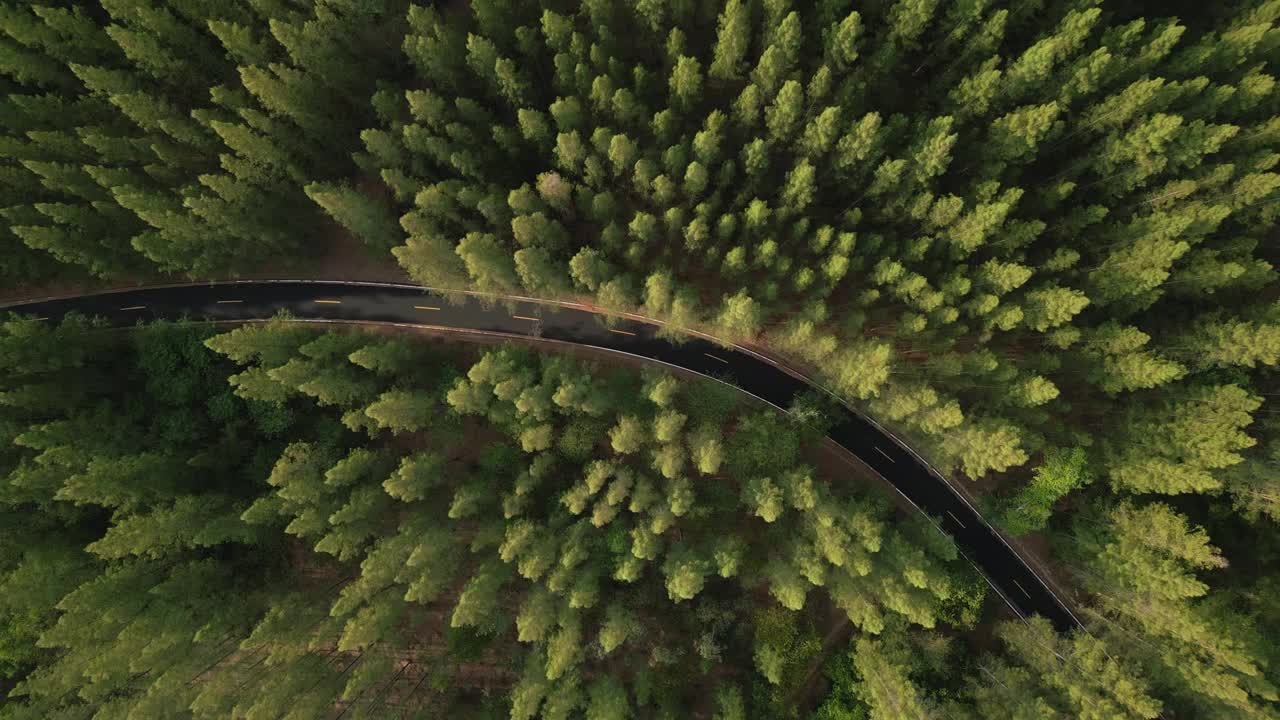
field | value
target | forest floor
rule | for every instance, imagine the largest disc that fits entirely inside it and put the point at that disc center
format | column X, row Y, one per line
column 347, row 259
column 812, row 686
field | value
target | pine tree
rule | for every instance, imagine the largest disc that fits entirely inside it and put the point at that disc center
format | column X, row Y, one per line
column 402, row 410
column 933, row 153
column 729, row 704
column 369, row 220
column 798, row 189
column 983, row 446
column 1061, row 472
column 842, row 41
column 820, row 134
column 685, row 571
column 686, row 82
column 629, row 435
column 415, row 476
column 764, row 498
column 1176, row 446
column 1231, row 342
column 1091, row 685
column 489, row 265
column 607, row 700
column 619, row 625
column 1152, row 552
column 783, row 115
column 1051, row 306
column 886, row 686
column 739, row 316
column 590, row 269
column 539, row 273
column 733, row 37
column 1015, row 135
column 862, row 369
column 478, row 604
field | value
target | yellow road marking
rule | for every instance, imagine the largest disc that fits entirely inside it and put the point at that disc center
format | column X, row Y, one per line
column 329, row 302
column 713, row 357
column 524, row 317
column 228, row 302
column 621, row 332
column 43, row 318
column 953, row 517
column 885, row 454
column 424, row 307
column 135, row 307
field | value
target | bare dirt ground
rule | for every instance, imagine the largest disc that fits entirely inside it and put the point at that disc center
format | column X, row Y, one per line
column 349, row 259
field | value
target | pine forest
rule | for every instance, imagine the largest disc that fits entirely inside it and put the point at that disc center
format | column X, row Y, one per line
column 1034, row 239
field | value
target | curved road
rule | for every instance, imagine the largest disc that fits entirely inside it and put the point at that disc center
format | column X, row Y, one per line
column 1006, row 572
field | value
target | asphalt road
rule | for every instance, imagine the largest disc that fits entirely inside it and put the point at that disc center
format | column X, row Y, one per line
column 1011, row 577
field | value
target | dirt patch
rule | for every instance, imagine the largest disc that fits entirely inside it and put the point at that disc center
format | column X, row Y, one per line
column 314, row 572
column 814, row 686
column 345, row 258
